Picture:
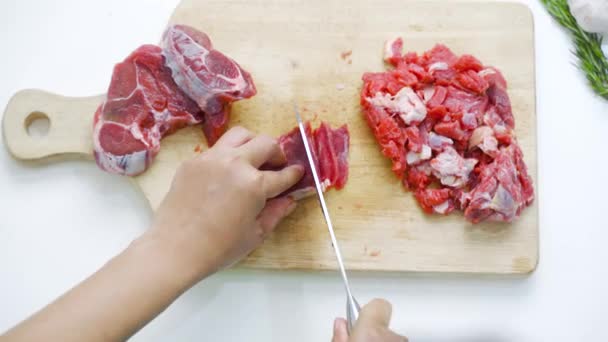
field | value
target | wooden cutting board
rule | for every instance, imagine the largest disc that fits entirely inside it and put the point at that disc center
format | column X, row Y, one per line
column 293, row 49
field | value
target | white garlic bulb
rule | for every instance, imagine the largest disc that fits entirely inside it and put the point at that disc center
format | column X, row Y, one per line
column 591, row 15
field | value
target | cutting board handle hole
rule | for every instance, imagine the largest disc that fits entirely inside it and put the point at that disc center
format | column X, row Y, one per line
column 37, row 125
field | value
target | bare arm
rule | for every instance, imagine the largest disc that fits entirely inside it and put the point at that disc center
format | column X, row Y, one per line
column 217, row 211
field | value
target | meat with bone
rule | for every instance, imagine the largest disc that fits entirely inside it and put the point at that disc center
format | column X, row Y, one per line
column 143, row 104
column 212, row 79
column 446, row 123
column 155, row 92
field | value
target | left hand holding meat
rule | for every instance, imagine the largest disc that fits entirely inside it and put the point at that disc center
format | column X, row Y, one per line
column 220, row 206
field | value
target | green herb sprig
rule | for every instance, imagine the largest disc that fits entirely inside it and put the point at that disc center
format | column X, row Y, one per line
column 588, row 47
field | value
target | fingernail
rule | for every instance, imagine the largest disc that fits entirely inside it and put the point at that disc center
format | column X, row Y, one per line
column 336, row 324
column 301, row 169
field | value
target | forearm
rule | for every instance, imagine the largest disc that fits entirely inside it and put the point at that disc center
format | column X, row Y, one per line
column 219, row 208
column 116, row 301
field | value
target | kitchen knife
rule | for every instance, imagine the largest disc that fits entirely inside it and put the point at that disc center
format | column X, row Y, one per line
column 352, row 307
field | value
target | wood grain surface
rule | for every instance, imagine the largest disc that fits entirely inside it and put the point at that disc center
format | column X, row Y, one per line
column 293, row 50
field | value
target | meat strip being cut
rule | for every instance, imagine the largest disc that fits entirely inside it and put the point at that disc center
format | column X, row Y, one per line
column 446, row 123
column 143, row 104
column 210, row 78
column 330, row 152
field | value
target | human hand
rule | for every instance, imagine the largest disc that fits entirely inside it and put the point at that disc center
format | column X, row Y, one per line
column 372, row 325
column 219, row 207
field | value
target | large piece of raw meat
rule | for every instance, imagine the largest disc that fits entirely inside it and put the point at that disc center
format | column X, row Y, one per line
column 209, row 77
column 143, row 105
column 155, row 92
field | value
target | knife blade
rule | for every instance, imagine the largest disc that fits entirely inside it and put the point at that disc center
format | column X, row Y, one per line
column 352, row 307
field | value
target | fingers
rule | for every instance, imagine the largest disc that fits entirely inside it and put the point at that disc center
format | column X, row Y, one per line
column 274, row 211
column 376, row 313
column 262, row 149
column 276, row 182
column 235, row 137
column 255, row 149
column 340, row 331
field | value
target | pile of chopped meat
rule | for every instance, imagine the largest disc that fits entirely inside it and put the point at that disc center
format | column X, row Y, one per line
column 155, row 91
column 445, row 121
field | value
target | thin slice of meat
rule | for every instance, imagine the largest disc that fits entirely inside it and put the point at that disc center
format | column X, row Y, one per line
column 143, row 104
column 209, row 77
column 330, row 152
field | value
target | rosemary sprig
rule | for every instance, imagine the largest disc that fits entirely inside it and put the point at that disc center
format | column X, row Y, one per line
column 588, row 46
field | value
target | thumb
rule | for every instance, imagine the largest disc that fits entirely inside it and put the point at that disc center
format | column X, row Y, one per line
column 275, row 210
column 340, row 331
column 375, row 313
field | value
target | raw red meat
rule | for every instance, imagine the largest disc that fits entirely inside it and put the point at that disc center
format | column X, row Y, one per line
column 209, row 77
column 446, row 123
column 504, row 189
column 156, row 91
column 330, row 151
column 143, row 104
column 392, row 50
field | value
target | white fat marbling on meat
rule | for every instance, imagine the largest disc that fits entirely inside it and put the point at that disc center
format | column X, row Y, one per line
column 415, row 157
column 427, row 93
column 325, row 183
column 309, row 191
column 405, row 103
column 388, row 48
column 438, row 66
column 486, row 71
column 442, row 208
column 135, row 131
column 500, row 128
column 469, row 120
column 411, row 107
column 438, row 142
column 135, row 163
column 503, row 203
column 478, row 136
column 489, row 145
column 492, row 119
column 451, row 169
column 185, row 76
column 129, row 164
column 464, row 198
column 424, row 167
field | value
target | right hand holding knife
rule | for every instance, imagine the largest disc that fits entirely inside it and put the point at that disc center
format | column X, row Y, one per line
column 372, row 325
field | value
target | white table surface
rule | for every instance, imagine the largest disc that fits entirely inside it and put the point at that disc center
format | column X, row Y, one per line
column 55, row 226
